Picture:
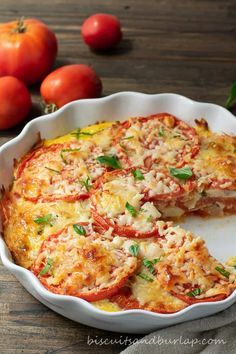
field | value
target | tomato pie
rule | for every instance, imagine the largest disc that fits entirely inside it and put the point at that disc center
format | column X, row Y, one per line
column 93, row 213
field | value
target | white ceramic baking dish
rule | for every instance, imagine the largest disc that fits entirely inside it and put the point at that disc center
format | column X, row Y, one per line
column 219, row 234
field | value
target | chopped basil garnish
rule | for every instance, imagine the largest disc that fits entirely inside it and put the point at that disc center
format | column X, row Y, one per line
column 194, row 292
column 131, row 209
column 78, row 133
column 46, row 219
column 203, row 194
column 79, row 229
column 235, row 150
column 138, row 174
column 161, row 131
column 145, row 277
column 181, row 173
column 86, row 184
column 149, row 264
column 67, row 150
column 222, row 271
column 150, row 218
column 232, row 96
column 53, row 170
column 46, row 267
column 128, row 137
column 123, row 147
column 134, row 249
column 110, row 161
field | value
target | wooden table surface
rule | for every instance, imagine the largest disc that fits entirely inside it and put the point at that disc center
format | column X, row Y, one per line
column 187, row 47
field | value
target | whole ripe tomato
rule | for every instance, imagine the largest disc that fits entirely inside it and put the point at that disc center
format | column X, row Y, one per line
column 70, row 83
column 28, row 49
column 15, row 102
column 101, row 31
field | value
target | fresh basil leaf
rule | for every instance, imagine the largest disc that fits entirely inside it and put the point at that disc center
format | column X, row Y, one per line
column 47, row 267
column 46, row 219
column 78, row 133
column 67, row 150
column 161, row 132
column 150, row 218
column 134, row 249
column 110, row 161
column 194, row 292
column 181, row 173
column 123, row 147
column 232, row 96
column 222, row 271
column 52, row 169
column 145, row 277
column 131, row 209
column 128, row 137
column 138, row 174
column 79, row 229
column 149, row 264
column 86, row 184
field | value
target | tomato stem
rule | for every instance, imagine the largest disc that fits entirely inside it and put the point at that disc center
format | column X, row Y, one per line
column 50, row 108
column 20, row 27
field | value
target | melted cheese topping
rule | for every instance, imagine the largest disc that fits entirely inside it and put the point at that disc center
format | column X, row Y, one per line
column 216, row 160
column 83, row 265
column 164, row 141
column 24, row 236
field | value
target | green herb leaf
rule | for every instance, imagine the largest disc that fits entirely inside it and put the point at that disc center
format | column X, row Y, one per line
column 86, row 184
column 131, row 209
column 128, row 137
column 46, row 219
column 234, row 149
column 78, row 133
column 46, row 267
column 181, row 173
column 110, row 161
column 150, row 218
column 134, row 249
column 145, row 277
column 194, row 292
column 138, row 174
column 222, row 271
column 52, row 169
column 161, row 131
column 67, row 150
column 149, row 264
column 123, row 147
column 232, row 96
column 203, row 194
column 79, row 229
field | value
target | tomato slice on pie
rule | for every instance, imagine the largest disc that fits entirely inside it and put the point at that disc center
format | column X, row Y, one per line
column 77, row 262
column 156, row 139
column 61, row 171
column 128, row 201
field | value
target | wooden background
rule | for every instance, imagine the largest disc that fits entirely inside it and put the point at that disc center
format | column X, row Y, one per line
column 185, row 46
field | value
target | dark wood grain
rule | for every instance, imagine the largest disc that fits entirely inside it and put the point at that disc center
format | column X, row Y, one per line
column 187, row 47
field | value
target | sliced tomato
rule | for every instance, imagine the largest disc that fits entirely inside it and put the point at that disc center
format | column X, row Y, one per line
column 78, row 262
column 115, row 189
column 125, row 299
column 193, row 300
column 59, row 172
column 160, row 138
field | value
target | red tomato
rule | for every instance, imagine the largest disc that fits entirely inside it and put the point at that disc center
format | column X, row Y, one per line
column 28, row 49
column 70, row 83
column 15, row 102
column 101, row 31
